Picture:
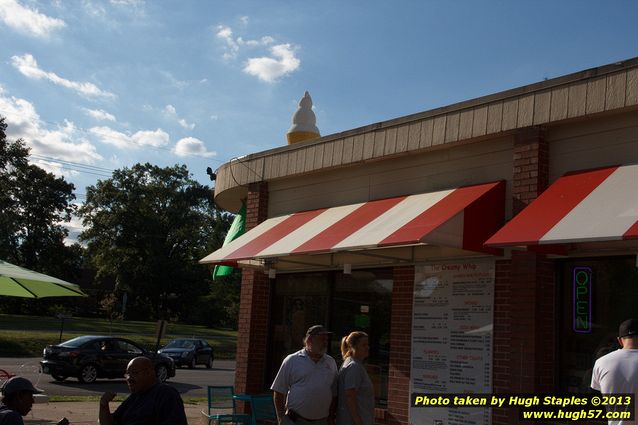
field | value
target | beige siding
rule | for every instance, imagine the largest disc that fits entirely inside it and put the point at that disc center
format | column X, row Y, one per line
column 494, row 117
column 526, row 111
column 367, row 148
column 403, row 135
column 558, row 108
column 427, row 129
column 379, row 143
column 632, row 87
column 593, row 144
column 596, row 95
column 577, row 100
column 510, row 114
column 452, row 128
column 348, row 148
column 390, row 146
column 465, row 124
column 479, row 126
column 414, row 137
column 438, row 170
column 542, row 102
column 438, row 133
column 328, row 155
column 616, row 88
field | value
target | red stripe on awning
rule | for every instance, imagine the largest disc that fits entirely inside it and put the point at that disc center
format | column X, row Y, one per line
column 531, row 224
column 273, row 235
column 348, row 225
column 632, row 232
column 417, row 230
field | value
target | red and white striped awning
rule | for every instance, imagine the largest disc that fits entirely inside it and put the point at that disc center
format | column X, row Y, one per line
column 462, row 218
column 591, row 206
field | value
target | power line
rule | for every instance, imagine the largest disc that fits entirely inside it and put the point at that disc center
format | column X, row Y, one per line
column 75, row 164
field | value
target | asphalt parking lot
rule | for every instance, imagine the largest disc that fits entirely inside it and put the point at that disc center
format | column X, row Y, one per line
column 189, row 382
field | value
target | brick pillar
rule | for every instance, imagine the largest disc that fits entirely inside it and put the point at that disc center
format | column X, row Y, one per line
column 524, row 316
column 400, row 346
column 531, row 167
column 252, row 331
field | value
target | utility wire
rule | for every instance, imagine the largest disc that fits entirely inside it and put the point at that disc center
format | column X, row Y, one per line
column 75, row 164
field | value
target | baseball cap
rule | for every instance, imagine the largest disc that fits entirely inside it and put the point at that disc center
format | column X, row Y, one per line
column 628, row 328
column 18, row 383
column 317, row 330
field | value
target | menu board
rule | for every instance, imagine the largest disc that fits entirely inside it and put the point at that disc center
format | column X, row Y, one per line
column 452, row 338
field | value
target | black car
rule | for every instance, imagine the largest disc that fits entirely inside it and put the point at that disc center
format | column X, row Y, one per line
column 88, row 358
column 189, row 352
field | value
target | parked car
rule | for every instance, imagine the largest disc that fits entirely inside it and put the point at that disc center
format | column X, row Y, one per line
column 88, row 358
column 189, row 352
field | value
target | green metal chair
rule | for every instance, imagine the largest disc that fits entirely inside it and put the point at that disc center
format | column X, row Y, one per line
column 221, row 407
column 263, row 409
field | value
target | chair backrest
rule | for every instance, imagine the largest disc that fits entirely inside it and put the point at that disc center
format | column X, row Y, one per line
column 263, row 409
column 220, row 399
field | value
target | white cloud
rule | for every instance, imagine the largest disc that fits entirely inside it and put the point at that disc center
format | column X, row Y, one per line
column 28, row 21
column 99, row 114
column 244, row 20
column 55, row 167
column 225, row 33
column 95, row 10
column 157, row 138
column 191, row 146
column 135, row 3
column 280, row 62
column 270, row 69
column 65, row 142
column 171, row 113
column 179, row 84
column 28, row 66
column 75, row 227
column 232, row 47
column 264, row 41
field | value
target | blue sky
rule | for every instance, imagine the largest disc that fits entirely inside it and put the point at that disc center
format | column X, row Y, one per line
column 93, row 85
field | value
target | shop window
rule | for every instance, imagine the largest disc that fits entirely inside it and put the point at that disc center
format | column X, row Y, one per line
column 345, row 303
column 596, row 295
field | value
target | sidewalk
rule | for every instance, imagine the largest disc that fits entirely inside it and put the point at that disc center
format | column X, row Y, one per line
column 86, row 412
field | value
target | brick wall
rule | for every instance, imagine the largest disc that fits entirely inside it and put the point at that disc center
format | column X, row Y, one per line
column 252, row 331
column 524, row 293
column 531, row 167
column 400, row 346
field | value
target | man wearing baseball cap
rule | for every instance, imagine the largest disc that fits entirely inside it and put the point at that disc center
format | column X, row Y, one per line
column 305, row 386
column 17, row 399
column 617, row 372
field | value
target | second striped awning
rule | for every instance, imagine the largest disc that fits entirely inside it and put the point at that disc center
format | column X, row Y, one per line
column 460, row 218
column 591, row 206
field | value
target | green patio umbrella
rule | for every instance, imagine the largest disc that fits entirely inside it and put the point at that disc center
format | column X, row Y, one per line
column 19, row 282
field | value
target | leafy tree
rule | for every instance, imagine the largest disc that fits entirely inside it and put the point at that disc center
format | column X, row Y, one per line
column 34, row 204
column 147, row 226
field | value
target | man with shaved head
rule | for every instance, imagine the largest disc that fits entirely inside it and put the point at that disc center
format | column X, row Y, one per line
column 150, row 402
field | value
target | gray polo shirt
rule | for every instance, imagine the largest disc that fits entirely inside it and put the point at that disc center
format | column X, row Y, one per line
column 353, row 375
column 309, row 386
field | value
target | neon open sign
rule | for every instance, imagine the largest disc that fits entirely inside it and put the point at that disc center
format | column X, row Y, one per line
column 582, row 282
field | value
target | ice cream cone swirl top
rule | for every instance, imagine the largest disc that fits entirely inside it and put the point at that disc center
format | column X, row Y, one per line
column 303, row 122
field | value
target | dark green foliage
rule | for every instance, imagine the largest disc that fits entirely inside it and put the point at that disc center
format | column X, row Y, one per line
column 148, row 226
column 34, row 204
column 219, row 308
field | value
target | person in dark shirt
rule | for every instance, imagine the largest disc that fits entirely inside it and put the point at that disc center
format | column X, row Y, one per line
column 149, row 402
column 17, row 400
